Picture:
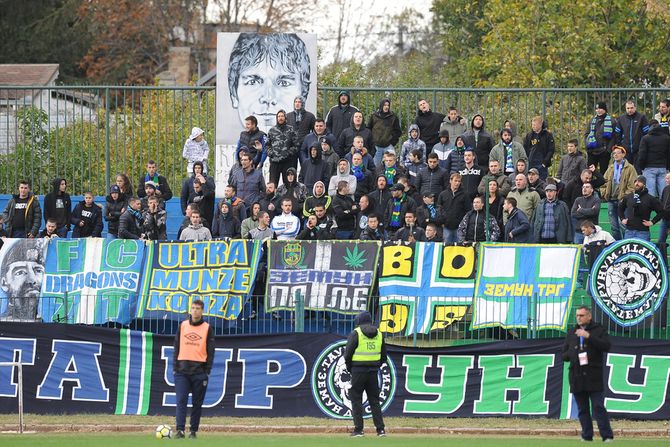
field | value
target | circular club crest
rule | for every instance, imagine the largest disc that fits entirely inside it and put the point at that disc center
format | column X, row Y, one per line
column 331, row 383
column 629, row 281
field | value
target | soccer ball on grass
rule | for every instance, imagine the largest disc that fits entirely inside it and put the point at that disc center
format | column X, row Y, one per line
column 163, row 432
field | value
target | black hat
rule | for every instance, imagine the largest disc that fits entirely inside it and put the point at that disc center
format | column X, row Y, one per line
column 397, row 187
column 641, row 178
column 601, row 105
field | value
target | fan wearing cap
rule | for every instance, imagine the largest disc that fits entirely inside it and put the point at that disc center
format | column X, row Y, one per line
column 150, row 191
column 600, row 138
column 195, row 149
column 635, row 211
column 551, row 223
column 535, row 183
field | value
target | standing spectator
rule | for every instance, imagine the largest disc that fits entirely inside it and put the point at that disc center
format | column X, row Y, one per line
column 356, row 129
column 271, row 202
column 187, row 219
column 203, row 195
column 22, row 216
column 385, row 128
column 163, row 190
column 249, row 137
column 411, row 232
column 456, row 158
column 586, row 207
column 330, row 157
column 521, row 168
column 294, row 190
column 574, row 188
column 584, row 348
column 364, row 354
column 517, row 228
column 455, row 204
column 473, row 227
column 206, row 182
column 431, row 178
column 250, row 222
column 301, row 120
column 429, row 124
column 359, row 148
column 665, row 204
column 248, row 181
column 397, row 206
column 193, row 359
column 115, row 205
column 495, row 202
column 540, row 147
column 86, row 218
column 339, row 116
column 318, row 197
column 508, row 152
column 471, row 175
column 413, row 142
column 526, row 199
column 414, row 166
column 571, row 164
column 442, row 148
column 364, row 177
column 430, row 212
column 281, row 148
column 196, row 149
column 372, row 230
column 390, row 169
column 123, row 182
column 380, row 195
column 535, row 183
column 511, row 125
column 654, row 158
column 237, row 206
column 58, row 205
column 310, row 231
column 366, row 207
column 551, row 222
column 600, row 138
column 314, row 169
column 343, row 173
column 326, row 225
column 494, row 174
column 225, row 223
column 480, row 140
column 196, row 231
column 635, row 211
column 619, row 182
column 315, row 136
column 344, row 209
column 593, row 234
column 150, row 191
column 433, row 233
column 663, row 115
column 155, row 222
column 454, row 124
column 286, row 225
column 630, row 128
column 130, row 222
column 263, row 231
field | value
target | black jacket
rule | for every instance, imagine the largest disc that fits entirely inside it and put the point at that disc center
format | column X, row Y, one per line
column 637, row 207
column 423, row 217
column 314, row 169
column 417, row 233
column 482, row 144
column 92, row 218
column 574, row 188
column 303, row 127
column 588, row 377
column 346, row 139
column 50, row 204
column 385, row 127
column 112, row 212
column 429, row 127
column 431, row 180
column 339, row 117
column 130, row 226
column 540, row 147
column 163, row 186
column 629, row 131
column 344, row 216
column 154, row 225
column 455, row 205
column 519, row 226
column 654, row 150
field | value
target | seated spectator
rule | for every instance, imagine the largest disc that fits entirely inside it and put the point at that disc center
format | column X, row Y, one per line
column 225, row 224
column 195, row 231
column 473, row 226
column 318, row 197
column 115, row 205
column 263, row 231
column 155, row 221
column 130, row 222
column 325, row 223
column 398, row 205
column 250, row 222
column 187, row 219
column 433, row 233
column 286, row 225
column 372, row 230
column 87, row 218
column 294, row 190
column 310, row 232
column 366, row 207
column 430, row 212
column 411, row 232
column 344, row 210
column 49, row 231
column 150, row 191
column 593, row 234
column 343, row 174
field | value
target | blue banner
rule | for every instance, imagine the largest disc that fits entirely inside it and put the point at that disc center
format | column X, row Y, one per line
column 220, row 273
column 518, row 283
column 91, row 280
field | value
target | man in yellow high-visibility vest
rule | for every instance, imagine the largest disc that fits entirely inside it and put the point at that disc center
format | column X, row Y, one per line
column 364, row 354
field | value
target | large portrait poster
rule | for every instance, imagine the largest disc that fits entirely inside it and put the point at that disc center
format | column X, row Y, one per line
column 21, row 277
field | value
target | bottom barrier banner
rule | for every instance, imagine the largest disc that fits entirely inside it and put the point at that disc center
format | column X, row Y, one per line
column 71, row 369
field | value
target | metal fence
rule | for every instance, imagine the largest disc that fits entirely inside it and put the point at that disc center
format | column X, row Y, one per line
column 88, row 134
column 400, row 326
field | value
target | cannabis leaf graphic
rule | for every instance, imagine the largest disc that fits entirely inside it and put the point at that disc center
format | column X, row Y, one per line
column 354, row 258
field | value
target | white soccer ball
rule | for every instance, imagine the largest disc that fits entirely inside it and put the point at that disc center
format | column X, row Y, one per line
column 163, row 432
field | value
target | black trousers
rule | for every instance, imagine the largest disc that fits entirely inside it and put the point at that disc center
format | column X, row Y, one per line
column 599, row 414
column 280, row 167
column 601, row 161
column 365, row 380
column 196, row 385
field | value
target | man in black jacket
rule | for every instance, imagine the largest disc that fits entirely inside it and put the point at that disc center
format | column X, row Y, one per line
column 163, row 190
column 385, row 127
column 585, row 347
column 654, row 158
column 635, row 211
column 58, row 205
column 540, row 147
column 478, row 138
column 130, row 222
column 429, row 125
column 301, row 120
column 339, row 116
column 364, row 354
column 356, row 128
column 629, row 129
column 455, row 204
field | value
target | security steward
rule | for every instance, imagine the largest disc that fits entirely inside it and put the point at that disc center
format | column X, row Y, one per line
column 364, row 354
column 193, row 359
column 585, row 347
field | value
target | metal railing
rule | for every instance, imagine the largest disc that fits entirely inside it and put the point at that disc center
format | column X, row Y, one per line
column 88, row 134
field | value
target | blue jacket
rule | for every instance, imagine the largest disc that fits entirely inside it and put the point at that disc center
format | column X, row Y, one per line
column 518, row 225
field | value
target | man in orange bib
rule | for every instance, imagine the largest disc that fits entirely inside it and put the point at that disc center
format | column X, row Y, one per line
column 193, row 358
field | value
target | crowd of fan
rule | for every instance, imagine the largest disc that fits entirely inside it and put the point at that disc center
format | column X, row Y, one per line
column 450, row 181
